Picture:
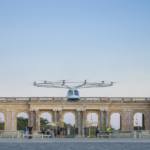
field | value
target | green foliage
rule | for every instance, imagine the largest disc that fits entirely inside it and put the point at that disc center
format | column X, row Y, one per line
column 72, row 128
column 92, row 131
column 135, row 128
column 43, row 124
column 113, row 129
column 22, row 123
column 2, row 126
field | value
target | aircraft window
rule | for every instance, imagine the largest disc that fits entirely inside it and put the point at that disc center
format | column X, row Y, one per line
column 76, row 92
column 70, row 92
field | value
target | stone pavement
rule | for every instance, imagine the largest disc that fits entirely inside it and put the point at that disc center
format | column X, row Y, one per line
column 74, row 144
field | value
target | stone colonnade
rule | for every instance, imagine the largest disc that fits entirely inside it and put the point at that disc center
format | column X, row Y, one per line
column 104, row 117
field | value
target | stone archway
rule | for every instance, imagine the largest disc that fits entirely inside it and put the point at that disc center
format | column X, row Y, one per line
column 121, row 117
column 17, row 113
column 69, row 111
column 144, row 117
column 4, row 113
column 40, row 113
column 94, row 111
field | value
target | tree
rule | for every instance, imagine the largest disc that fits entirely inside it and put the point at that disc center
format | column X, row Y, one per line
column 135, row 128
column 2, row 126
column 22, row 123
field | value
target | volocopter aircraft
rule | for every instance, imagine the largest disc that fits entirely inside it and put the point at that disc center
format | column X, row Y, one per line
column 73, row 93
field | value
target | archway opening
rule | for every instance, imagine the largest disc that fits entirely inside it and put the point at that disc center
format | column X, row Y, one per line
column 22, row 121
column 91, row 124
column 45, row 118
column 2, row 121
column 139, row 121
column 69, row 120
column 115, row 121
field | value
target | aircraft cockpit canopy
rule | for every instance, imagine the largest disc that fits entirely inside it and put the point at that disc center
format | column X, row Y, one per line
column 73, row 92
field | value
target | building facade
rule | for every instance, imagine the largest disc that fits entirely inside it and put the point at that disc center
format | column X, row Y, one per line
column 104, row 107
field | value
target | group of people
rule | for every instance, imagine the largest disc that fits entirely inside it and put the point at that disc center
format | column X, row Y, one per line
column 57, row 132
column 26, row 131
column 60, row 131
column 49, row 132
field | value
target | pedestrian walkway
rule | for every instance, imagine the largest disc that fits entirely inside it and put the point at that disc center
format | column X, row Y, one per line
column 73, row 140
column 74, row 144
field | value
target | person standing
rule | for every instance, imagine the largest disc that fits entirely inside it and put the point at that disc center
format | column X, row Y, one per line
column 26, row 131
column 138, row 128
column 54, row 131
column 43, row 130
column 65, row 132
column 61, row 130
column 68, row 131
column 76, row 132
column 58, row 132
column 108, row 130
column 85, row 131
column 97, row 131
column 30, row 131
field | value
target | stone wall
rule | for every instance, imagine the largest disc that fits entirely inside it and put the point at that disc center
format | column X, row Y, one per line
column 104, row 107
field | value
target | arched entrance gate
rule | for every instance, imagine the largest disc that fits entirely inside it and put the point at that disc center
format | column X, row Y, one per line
column 103, row 107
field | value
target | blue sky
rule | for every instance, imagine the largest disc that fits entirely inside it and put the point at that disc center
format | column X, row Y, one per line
column 78, row 40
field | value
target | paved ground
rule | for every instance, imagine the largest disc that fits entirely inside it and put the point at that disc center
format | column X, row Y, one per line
column 74, row 144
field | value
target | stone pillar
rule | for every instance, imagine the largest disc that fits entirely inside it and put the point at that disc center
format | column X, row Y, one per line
column 8, row 119
column 148, row 120
column 102, row 120
column 55, row 116
column 120, row 122
column 59, row 116
column 31, row 117
column 12, row 120
column 106, row 119
column 130, row 121
column 125, row 120
column 143, row 121
column 79, row 122
column 36, row 119
column 83, row 121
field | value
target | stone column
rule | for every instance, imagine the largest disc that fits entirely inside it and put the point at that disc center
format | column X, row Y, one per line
column 59, row 116
column 125, row 120
column 130, row 120
column 102, row 120
column 148, row 120
column 55, row 116
column 8, row 119
column 120, row 122
column 31, row 117
column 83, row 121
column 12, row 120
column 78, row 121
column 106, row 119
column 143, row 121
column 36, row 119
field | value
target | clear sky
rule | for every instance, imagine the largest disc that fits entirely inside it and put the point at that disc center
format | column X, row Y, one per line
column 78, row 40
column 82, row 39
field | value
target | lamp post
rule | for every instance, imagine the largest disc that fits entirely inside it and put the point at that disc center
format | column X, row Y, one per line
column 90, row 125
column 136, row 122
column 46, row 118
column 91, row 122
